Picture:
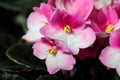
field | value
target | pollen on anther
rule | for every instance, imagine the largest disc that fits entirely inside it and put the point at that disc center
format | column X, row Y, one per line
column 53, row 50
column 109, row 28
column 67, row 29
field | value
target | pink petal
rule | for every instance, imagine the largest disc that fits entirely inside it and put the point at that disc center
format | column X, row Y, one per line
column 34, row 22
column 75, row 21
column 115, row 39
column 106, row 16
column 65, row 61
column 47, row 10
column 52, row 33
column 57, row 19
column 110, row 14
column 110, row 57
column 74, row 6
column 79, row 6
column 52, row 2
column 84, row 38
column 71, row 42
column 36, row 19
column 40, row 49
column 32, row 36
column 52, row 64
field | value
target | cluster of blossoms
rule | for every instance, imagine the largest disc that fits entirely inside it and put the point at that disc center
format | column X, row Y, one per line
column 62, row 29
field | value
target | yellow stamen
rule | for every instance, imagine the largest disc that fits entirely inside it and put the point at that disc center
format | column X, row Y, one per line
column 67, row 29
column 109, row 28
column 45, row 23
column 53, row 50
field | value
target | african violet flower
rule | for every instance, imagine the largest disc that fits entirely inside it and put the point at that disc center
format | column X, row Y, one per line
column 56, row 57
column 82, row 7
column 37, row 19
column 105, row 21
column 110, row 56
column 70, row 29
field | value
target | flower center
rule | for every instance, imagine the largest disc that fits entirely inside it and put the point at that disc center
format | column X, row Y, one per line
column 45, row 23
column 67, row 29
column 109, row 28
column 53, row 50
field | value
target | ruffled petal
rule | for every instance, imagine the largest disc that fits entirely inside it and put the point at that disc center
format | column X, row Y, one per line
column 40, row 49
column 83, row 38
column 52, row 64
column 71, row 42
column 34, row 22
column 78, row 5
column 65, row 61
column 110, row 57
column 45, row 9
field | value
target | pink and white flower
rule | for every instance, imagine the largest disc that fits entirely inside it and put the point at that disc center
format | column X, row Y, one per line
column 71, row 29
column 110, row 56
column 37, row 19
column 56, row 57
column 105, row 22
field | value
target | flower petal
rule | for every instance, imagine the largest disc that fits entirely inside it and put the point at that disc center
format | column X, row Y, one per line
column 40, row 49
column 110, row 57
column 34, row 22
column 110, row 14
column 74, row 6
column 78, row 6
column 45, row 9
column 57, row 19
column 115, row 39
column 83, row 38
column 52, row 33
column 65, row 61
column 52, row 64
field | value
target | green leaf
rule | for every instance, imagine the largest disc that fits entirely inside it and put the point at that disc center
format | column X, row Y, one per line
column 48, row 77
column 21, row 53
column 20, row 5
column 6, row 64
column 6, row 76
